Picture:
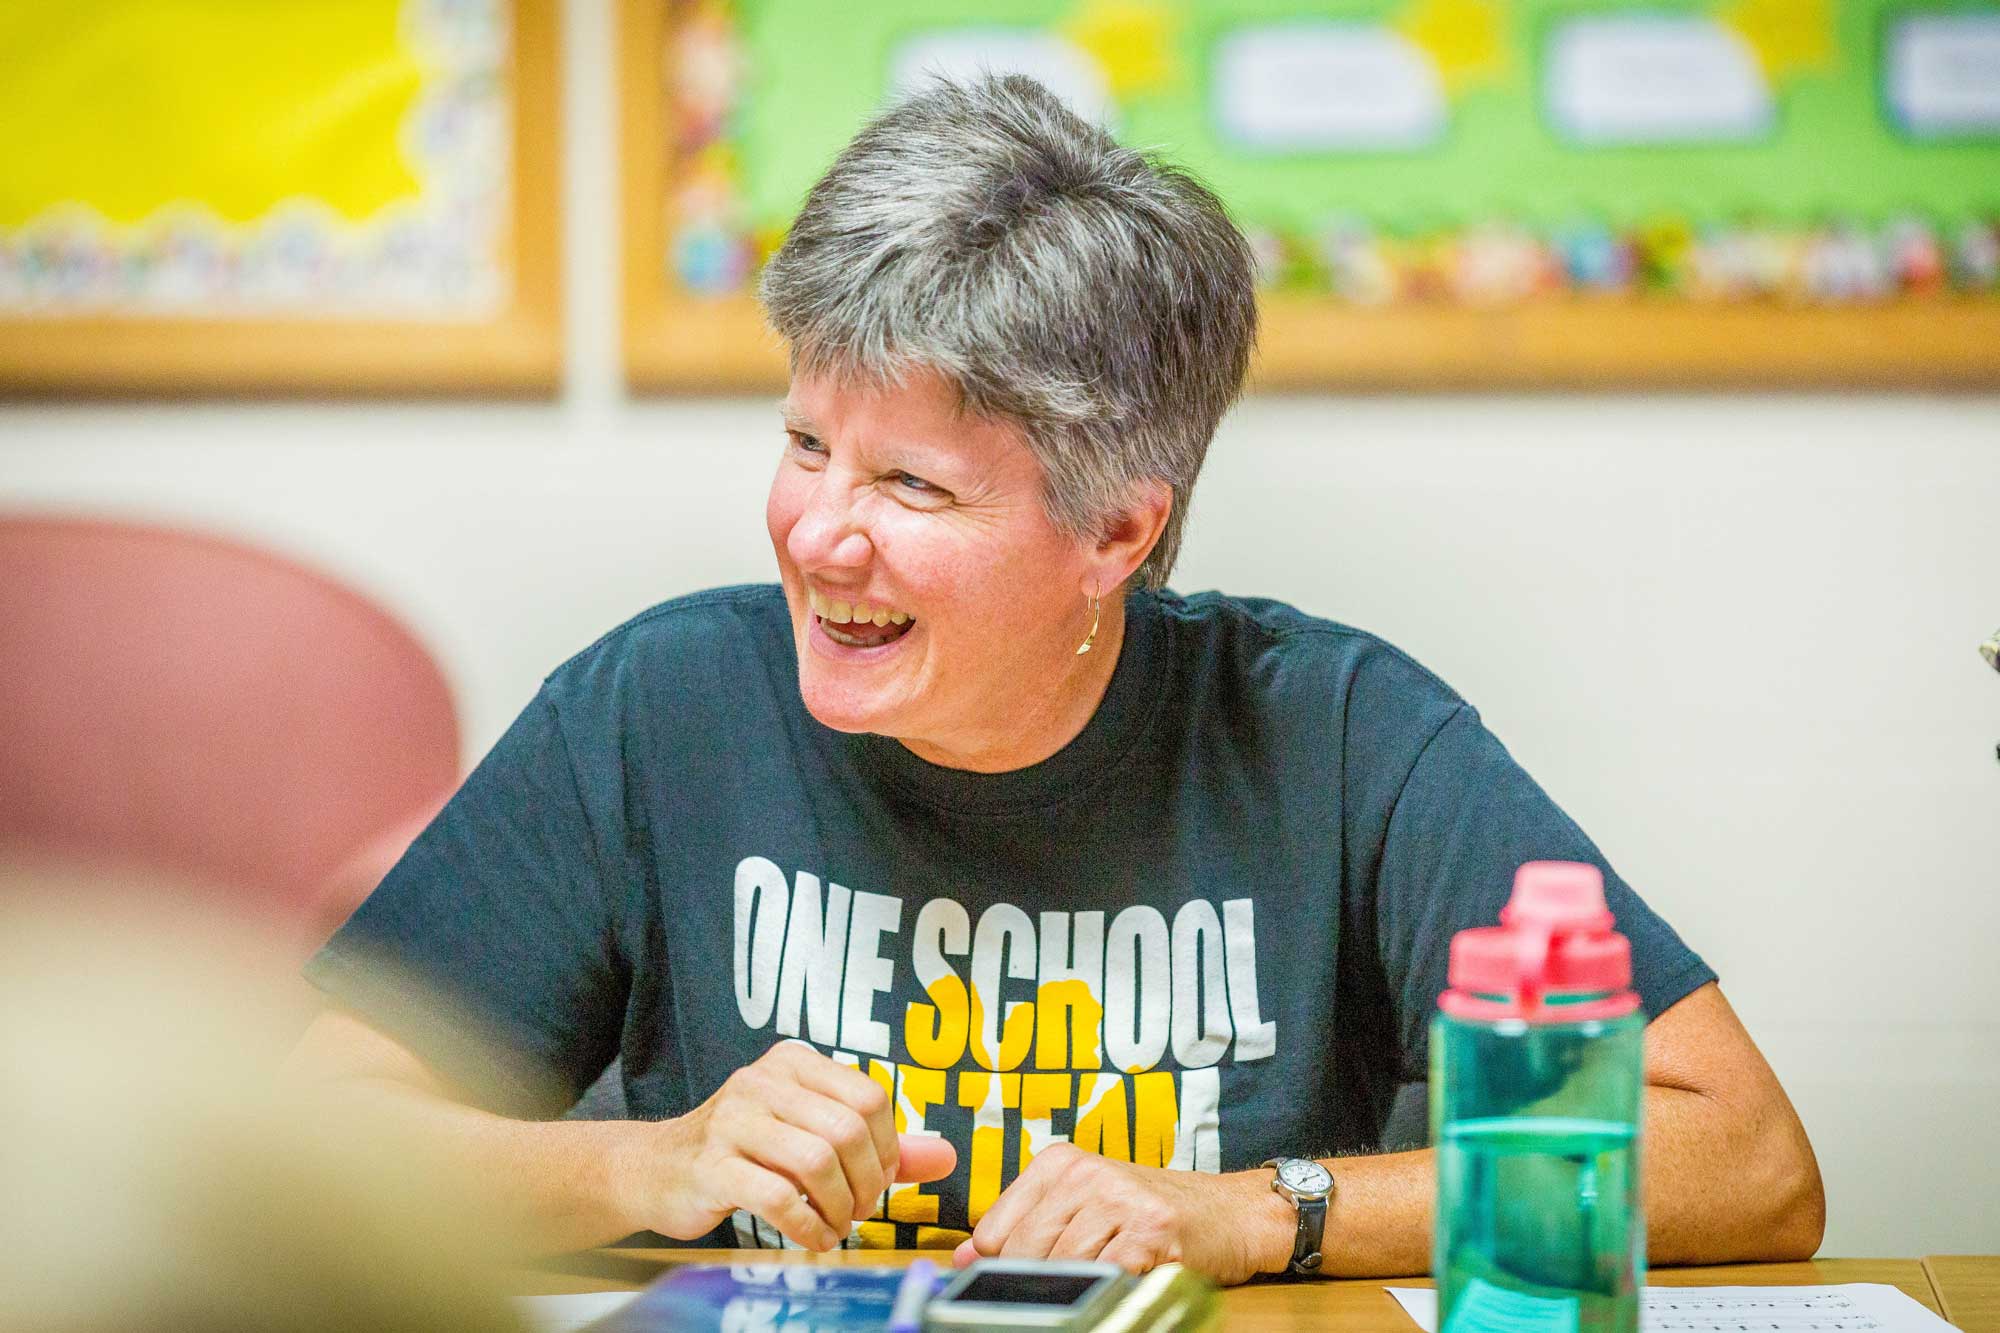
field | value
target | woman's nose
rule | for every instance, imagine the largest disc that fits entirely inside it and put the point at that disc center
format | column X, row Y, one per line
column 828, row 535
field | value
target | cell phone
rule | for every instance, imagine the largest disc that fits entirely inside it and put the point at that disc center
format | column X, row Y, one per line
column 1002, row 1294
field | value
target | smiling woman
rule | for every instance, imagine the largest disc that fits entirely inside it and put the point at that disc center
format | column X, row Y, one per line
column 901, row 503
column 963, row 442
column 1032, row 949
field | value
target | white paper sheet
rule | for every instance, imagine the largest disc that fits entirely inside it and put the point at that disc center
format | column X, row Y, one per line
column 1943, row 74
column 1645, row 78
column 1323, row 86
column 566, row 1314
column 1853, row 1307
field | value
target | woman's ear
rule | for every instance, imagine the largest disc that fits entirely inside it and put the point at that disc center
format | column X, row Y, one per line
column 1128, row 537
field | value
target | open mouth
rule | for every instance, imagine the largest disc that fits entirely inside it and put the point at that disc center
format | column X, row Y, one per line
column 858, row 624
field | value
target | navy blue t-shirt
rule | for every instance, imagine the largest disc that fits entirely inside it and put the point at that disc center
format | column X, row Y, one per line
column 1210, row 930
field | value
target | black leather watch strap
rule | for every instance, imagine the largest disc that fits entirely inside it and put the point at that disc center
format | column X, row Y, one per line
column 1308, row 1196
column 1312, row 1228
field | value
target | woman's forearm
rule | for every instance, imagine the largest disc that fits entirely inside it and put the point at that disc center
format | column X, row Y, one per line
column 1720, row 1186
column 1724, row 1185
column 1378, row 1223
column 803, row 1141
column 545, row 1187
column 538, row 1186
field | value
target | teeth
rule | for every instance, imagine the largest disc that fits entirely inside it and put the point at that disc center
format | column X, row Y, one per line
column 857, row 613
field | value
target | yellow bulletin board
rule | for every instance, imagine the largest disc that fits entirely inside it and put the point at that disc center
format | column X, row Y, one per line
column 292, row 195
column 1441, row 193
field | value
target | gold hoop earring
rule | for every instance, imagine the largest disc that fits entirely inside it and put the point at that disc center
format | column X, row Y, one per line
column 1096, row 614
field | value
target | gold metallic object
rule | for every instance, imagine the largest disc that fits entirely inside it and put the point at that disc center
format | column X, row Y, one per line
column 1096, row 613
column 1990, row 650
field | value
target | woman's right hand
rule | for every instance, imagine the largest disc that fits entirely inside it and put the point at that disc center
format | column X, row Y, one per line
column 796, row 1138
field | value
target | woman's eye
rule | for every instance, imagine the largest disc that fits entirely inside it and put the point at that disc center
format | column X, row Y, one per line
column 917, row 486
column 804, row 443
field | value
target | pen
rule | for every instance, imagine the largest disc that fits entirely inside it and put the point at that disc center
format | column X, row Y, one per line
column 907, row 1314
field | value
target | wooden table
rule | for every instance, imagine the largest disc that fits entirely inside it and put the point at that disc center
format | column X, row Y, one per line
column 1356, row 1306
column 1968, row 1289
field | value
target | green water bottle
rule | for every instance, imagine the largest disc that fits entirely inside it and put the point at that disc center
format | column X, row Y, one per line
column 1536, row 1088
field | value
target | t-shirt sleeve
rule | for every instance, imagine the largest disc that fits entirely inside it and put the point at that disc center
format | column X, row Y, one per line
column 492, row 948
column 1466, row 819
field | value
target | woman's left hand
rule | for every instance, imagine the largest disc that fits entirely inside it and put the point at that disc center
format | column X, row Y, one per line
column 1070, row 1204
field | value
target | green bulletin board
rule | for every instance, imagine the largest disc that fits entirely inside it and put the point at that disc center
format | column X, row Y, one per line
column 1439, row 191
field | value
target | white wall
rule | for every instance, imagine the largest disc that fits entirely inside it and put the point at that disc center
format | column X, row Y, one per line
column 1734, row 635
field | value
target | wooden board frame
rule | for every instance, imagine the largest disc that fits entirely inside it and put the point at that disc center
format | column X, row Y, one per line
column 673, row 341
column 677, row 342
column 517, row 352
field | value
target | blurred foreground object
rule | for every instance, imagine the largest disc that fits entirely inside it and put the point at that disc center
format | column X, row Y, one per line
column 154, row 1178
column 195, row 706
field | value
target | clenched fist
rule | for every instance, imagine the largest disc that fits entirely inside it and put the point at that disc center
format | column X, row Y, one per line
column 796, row 1138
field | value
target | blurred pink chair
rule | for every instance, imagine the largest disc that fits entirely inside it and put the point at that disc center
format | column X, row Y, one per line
column 187, row 704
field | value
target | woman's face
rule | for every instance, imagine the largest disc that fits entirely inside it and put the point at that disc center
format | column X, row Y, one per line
column 889, row 499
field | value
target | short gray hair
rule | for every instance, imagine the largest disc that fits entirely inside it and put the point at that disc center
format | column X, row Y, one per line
column 1097, row 297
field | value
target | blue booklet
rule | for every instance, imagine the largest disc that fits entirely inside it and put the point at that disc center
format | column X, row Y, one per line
column 797, row 1297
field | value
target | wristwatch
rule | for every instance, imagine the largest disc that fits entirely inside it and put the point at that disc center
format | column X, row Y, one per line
column 1308, row 1185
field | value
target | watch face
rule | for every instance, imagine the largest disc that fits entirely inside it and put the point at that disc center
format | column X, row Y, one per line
column 1303, row 1176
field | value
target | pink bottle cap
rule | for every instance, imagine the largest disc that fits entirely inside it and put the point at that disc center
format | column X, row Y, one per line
column 1554, row 957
